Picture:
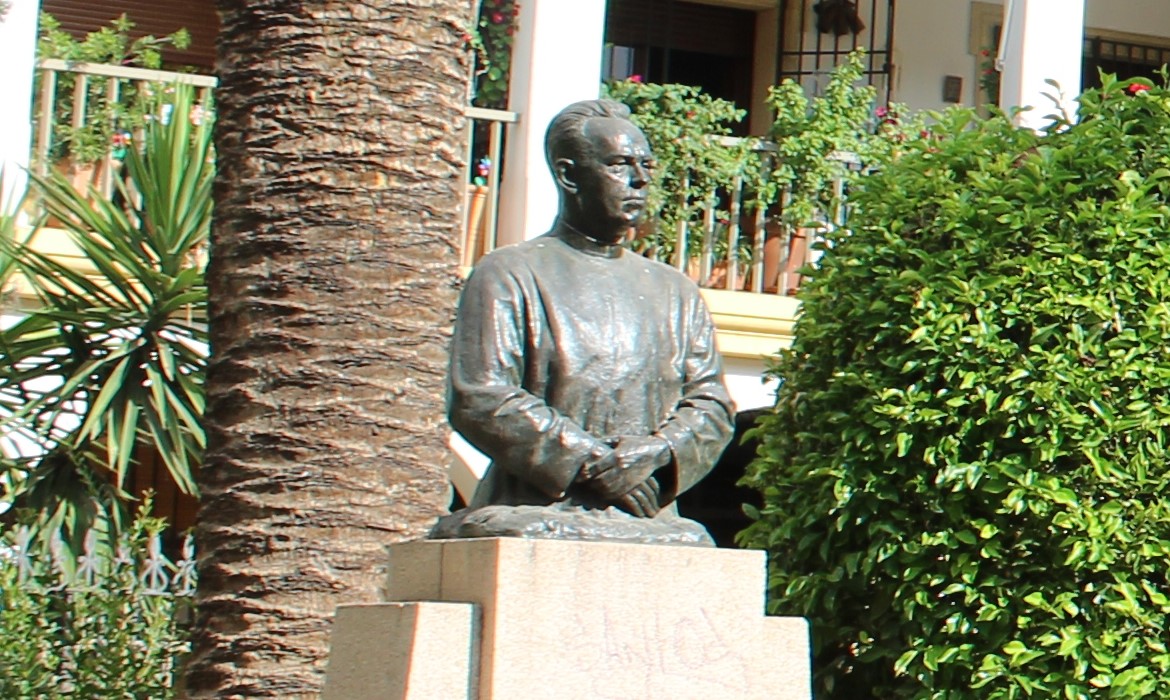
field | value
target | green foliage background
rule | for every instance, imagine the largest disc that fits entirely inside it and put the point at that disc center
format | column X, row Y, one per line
column 965, row 475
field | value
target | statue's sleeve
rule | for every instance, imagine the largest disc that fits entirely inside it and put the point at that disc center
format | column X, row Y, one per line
column 486, row 401
column 702, row 424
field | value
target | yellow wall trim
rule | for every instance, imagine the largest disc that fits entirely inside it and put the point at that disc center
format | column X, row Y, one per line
column 751, row 325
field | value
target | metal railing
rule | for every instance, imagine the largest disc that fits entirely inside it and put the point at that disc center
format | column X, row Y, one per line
column 481, row 202
column 102, row 99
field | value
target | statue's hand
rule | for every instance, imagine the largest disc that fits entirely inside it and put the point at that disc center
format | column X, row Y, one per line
column 635, row 459
column 642, row 500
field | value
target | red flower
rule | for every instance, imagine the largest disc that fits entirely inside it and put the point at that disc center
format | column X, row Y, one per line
column 497, row 18
column 1137, row 88
column 635, row 78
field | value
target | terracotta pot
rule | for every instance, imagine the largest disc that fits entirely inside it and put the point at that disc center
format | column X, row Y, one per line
column 476, row 232
column 783, row 258
column 83, row 177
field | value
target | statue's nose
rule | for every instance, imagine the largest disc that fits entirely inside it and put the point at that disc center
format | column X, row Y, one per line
column 641, row 176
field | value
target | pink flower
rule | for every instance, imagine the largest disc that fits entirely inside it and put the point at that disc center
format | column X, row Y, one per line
column 635, row 78
column 1137, row 88
column 881, row 112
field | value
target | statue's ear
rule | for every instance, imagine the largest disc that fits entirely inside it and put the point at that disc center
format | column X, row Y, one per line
column 564, row 172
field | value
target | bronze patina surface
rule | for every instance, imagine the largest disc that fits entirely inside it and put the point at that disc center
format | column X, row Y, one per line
column 587, row 373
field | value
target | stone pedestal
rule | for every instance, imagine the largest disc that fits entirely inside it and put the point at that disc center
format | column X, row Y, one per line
column 528, row 619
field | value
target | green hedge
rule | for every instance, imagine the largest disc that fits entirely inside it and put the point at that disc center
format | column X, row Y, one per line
column 965, row 473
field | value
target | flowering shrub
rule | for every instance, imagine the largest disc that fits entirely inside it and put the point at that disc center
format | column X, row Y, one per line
column 492, row 41
column 965, row 476
column 989, row 75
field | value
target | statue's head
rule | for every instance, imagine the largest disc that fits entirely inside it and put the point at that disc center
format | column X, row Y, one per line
column 602, row 164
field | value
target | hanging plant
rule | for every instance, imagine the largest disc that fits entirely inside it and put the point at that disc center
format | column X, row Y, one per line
column 838, row 17
column 989, row 75
column 491, row 39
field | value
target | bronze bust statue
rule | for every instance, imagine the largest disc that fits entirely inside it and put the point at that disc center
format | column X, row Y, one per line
column 588, row 374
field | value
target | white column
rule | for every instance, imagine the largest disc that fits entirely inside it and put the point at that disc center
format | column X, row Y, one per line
column 556, row 60
column 18, row 41
column 1042, row 40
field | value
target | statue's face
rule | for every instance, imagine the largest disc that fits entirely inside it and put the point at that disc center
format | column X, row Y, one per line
column 612, row 178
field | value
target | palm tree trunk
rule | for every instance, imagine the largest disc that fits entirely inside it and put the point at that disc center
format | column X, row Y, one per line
column 333, row 281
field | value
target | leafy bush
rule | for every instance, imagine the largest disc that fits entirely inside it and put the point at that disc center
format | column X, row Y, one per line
column 816, row 143
column 104, row 626
column 965, row 476
column 828, row 137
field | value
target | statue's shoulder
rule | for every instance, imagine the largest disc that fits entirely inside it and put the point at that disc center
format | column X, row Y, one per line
column 509, row 259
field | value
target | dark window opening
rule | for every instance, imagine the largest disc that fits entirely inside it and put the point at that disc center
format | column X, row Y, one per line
column 1124, row 59
column 669, row 41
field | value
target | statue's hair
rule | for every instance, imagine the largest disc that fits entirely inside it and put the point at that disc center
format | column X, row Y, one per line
column 565, row 137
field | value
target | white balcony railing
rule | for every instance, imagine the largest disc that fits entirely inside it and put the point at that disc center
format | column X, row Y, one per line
column 101, row 107
column 731, row 245
column 736, row 244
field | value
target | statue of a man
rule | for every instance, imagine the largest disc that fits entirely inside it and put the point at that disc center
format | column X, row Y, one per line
column 588, row 374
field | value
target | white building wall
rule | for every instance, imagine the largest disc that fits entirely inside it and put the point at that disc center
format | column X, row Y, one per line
column 556, row 61
column 930, row 43
column 18, row 37
column 747, row 385
column 933, row 39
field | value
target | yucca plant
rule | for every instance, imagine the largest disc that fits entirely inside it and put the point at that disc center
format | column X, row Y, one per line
column 110, row 359
column 8, row 220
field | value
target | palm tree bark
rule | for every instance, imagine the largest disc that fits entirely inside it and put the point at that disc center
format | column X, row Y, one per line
column 333, row 282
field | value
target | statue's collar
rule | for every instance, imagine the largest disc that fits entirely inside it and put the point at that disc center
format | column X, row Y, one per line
column 570, row 235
